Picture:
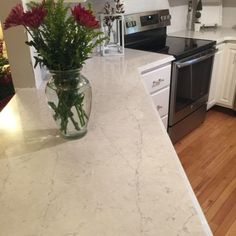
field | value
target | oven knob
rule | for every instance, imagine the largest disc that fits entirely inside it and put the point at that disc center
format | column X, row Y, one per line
column 129, row 24
column 163, row 18
column 134, row 23
column 169, row 17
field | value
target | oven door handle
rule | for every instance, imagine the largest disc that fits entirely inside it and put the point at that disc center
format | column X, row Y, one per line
column 196, row 60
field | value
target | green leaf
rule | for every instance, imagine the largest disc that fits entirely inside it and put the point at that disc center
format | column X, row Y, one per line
column 61, row 43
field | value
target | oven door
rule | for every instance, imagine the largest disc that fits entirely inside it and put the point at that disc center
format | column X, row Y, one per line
column 190, row 84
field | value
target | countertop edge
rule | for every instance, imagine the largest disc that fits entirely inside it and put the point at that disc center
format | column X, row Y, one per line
column 193, row 197
column 220, row 35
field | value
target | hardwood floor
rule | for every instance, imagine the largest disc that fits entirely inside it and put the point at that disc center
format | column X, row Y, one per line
column 208, row 156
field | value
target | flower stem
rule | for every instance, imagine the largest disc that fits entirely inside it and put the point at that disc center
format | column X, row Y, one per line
column 75, row 123
column 80, row 114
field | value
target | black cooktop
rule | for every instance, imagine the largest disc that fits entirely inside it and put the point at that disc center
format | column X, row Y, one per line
column 158, row 41
column 183, row 47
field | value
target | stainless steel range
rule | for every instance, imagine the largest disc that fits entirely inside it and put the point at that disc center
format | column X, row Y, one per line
column 191, row 71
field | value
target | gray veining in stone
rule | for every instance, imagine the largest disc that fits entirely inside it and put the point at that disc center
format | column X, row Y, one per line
column 122, row 179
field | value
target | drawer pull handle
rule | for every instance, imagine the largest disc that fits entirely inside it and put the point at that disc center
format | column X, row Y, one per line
column 159, row 107
column 157, row 82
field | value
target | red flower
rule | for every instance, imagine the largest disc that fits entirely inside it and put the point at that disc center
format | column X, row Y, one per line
column 1, row 48
column 6, row 79
column 34, row 17
column 31, row 19
column 15, row 17
column 84, row 17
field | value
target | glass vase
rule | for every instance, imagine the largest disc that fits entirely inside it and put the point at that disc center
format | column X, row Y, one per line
column 112, row 26
column 69, row 97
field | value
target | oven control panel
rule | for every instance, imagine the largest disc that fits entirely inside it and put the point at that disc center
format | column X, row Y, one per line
column 146, row 21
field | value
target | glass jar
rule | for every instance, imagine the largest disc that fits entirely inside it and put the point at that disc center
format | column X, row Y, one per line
column 69, row 97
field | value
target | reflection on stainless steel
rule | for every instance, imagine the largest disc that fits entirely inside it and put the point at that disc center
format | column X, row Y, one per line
column 146, row 21
column 194, row 60
column 190, row 84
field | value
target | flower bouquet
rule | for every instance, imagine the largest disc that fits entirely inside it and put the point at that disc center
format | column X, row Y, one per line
column 63, row 38
column 6, row 85
column 4, row 67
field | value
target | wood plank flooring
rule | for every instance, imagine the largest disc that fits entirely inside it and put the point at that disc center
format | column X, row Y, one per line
column 208, row 156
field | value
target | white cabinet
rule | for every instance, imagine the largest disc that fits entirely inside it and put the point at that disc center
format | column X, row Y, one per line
column 157, row 79
column 217, row 74
column 157, row 82
column 161, row 101
column 227, row 82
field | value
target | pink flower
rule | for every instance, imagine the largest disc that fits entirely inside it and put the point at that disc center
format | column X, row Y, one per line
column 35, row 17
column 15, row 17
column 84, row 17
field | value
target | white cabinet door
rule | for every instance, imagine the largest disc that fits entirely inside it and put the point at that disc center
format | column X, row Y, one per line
column 218, row 67
column 165, row 121
column 157, row 79
column 161, row 101
column 157, row 82
column 228, row 79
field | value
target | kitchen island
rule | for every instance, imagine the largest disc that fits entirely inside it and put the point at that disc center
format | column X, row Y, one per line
column 122, row 179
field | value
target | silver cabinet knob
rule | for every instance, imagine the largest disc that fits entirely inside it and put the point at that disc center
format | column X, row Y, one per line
column 157, row 82
column 159, row 107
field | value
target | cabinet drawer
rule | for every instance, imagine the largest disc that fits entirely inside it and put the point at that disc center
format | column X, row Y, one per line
column 165, row 121
column 157, row 79
column 161, row 101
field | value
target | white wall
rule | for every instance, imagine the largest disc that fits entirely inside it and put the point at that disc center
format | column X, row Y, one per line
column 212, row 13
column 18, row 52
column 1, row 38
column 229, row 13
column 178, row 9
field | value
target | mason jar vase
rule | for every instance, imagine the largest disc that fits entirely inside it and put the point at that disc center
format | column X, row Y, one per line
column 69, row 97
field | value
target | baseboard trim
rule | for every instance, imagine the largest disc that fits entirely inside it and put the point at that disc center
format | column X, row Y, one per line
column 225, row 110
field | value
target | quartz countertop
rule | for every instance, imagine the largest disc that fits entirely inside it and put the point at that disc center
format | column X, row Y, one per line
column 122, row 179
column 219, row 34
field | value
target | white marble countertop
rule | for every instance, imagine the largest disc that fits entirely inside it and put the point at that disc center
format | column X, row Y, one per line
column 122, row 179
column 219, row 35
